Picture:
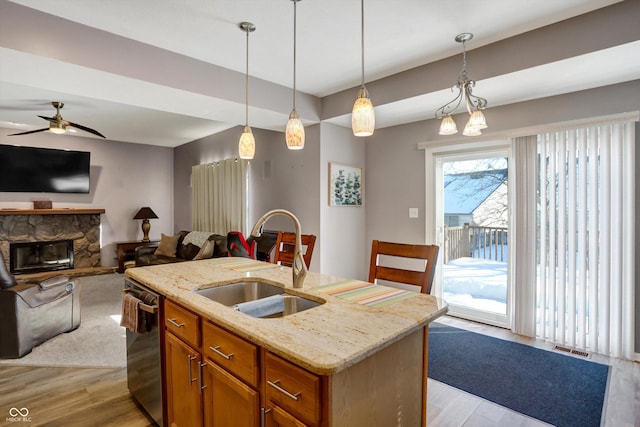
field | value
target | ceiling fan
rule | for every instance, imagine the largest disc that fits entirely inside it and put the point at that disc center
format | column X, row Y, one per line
column 59, row 125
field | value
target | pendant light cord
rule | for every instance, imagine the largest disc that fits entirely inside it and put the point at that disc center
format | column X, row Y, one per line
column 362, row 38
column 295, row 3
column 246, row 86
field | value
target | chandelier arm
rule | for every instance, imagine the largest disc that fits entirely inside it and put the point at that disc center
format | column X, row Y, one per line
column 446, row 109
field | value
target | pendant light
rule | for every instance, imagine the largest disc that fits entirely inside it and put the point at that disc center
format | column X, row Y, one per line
column 294, row 133
column 247, row 143
column 363, row 117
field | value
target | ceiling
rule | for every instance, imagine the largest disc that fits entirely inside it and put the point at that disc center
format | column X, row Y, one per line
column 166, row 73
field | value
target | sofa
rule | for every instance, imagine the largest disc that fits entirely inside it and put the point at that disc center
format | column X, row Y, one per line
column 184, row 246
column 194, row 245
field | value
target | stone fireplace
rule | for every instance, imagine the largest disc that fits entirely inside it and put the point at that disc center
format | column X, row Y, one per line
column 81, row 227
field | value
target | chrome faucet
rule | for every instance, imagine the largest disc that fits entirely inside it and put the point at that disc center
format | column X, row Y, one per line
column 299, row 267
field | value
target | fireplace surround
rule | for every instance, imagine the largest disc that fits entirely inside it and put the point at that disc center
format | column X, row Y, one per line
column 81, row 226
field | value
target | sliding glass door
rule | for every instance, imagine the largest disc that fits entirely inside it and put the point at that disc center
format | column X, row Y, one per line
column 472, row 201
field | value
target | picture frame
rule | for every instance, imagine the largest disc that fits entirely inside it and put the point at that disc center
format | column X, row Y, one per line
column 346, row 185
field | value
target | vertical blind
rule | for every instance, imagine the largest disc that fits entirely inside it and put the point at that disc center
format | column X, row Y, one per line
column 585, row 238
column 219, row 193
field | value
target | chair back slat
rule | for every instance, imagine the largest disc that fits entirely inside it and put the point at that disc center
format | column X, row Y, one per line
column 423, row 279
column 285, row 248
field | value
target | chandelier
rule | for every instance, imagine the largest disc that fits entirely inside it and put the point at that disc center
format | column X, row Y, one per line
column 474, row 104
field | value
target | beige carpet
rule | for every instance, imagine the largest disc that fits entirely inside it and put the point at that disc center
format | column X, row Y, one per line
column 99, row 341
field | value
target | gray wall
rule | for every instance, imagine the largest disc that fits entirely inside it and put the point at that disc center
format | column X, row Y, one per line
column 124, row 177
column 344, row 247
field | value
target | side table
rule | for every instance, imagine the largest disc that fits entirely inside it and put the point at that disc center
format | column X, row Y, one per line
column 126, row 251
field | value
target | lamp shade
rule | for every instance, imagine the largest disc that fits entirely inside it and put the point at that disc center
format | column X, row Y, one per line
column 247, row 144
column 145, row 213
column 448, row 126
column 477, row 120
column 363, row 116
column 294, row 133
column 470, row 130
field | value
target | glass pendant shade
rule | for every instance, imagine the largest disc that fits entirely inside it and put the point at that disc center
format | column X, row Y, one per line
column 448, row 126
column 363, row 117
column 294, row 133
column 477, row 120
column 470, row 130
column 247, row 144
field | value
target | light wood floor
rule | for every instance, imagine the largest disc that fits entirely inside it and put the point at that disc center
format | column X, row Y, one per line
column 99, row 397
column 69, row 397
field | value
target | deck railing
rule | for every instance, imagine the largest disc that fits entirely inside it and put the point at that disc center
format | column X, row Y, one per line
column 475, row 242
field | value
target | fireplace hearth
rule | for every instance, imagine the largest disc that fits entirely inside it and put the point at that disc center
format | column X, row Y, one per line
column 35, row 257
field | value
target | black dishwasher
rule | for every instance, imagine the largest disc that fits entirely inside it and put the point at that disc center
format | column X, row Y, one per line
column 144, row 367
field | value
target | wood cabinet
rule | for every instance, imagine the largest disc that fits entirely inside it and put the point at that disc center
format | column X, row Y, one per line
column 292, row 393
column 228, row 402
column 232, row 378
column 216, row 378
column 184, row 401
column 213, row 378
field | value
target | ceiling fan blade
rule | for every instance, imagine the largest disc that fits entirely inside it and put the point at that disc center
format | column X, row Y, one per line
column 51, row 119
column 86, row 129
column 28, row 132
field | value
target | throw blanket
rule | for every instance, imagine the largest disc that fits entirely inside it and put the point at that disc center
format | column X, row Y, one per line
column 196, row 237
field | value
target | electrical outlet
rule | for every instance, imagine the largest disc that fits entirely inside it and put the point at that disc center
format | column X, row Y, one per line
column 413, row 212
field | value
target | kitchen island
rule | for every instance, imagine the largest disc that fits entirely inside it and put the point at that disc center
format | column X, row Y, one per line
column 355, row 363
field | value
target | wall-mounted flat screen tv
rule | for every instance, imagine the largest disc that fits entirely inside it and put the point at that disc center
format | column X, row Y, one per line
column 43, row 170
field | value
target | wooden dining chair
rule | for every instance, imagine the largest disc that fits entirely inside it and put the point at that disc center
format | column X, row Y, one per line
column 423, row 279
column 285, row 248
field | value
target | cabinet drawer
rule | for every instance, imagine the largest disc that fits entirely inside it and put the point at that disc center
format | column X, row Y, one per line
column 293, row 389
column 183, row 323
column 231, row 352
column 283, row 419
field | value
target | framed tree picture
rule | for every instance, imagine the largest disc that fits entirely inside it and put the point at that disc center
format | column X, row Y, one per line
column 346, row 185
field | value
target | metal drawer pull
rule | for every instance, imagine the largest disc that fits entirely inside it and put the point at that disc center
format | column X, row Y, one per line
column 189, row 359
column 217, row 351
column 202, row 387
column 174, row 323
column 275, row 385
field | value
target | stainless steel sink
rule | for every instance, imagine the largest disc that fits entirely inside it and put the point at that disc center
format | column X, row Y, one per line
column 246, row 291
column 296, row 304
column 237, row 293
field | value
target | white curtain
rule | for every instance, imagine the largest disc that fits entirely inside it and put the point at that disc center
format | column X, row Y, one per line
column 219, row 193
column 585, row 238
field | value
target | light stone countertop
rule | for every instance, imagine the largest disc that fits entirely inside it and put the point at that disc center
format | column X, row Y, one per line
column 324, row 340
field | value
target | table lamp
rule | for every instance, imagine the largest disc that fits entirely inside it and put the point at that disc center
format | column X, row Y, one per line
column 145, row 213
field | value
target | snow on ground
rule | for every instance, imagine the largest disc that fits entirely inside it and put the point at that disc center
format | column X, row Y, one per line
column 476, row 283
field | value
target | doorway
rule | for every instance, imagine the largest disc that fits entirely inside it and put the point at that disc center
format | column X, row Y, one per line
column 472, row 205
